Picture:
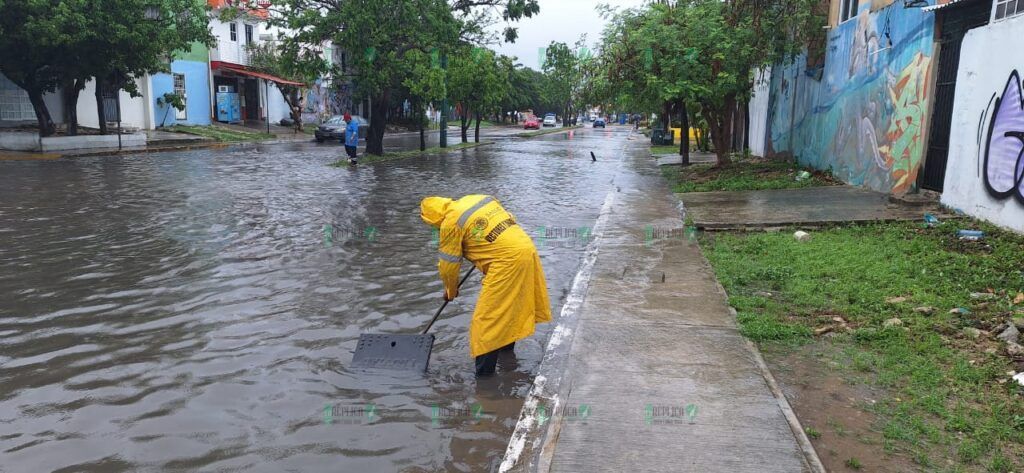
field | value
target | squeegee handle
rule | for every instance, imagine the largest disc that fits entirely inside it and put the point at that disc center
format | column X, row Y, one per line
column 438, row 314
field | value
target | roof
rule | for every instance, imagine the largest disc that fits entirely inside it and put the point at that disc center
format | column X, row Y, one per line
column 239, row 69
column 256, row 8
column 944, row 4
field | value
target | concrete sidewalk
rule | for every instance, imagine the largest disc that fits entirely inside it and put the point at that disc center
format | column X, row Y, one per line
column 648, row 372
column 808, row 206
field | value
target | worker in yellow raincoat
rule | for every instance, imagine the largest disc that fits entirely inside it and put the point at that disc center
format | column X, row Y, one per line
column 514, row 296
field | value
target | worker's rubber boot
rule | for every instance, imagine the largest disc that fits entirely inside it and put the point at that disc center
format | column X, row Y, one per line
column 486, row 363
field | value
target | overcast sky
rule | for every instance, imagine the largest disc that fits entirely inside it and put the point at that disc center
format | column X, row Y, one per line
column 559, row 20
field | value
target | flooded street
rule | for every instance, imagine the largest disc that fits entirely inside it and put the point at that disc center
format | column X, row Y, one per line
column 198, row 310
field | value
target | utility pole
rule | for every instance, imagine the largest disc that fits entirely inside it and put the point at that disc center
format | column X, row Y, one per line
column 444, row 103
column 117, row 95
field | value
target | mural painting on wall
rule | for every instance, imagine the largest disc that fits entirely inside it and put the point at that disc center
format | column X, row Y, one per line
column 321, row 102
column 909, row 97
column 864, row 119
column 1004, row 143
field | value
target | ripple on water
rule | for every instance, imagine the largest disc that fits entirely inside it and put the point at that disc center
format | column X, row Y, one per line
column 198, row 309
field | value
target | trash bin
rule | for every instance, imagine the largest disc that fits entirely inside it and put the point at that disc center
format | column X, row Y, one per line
column 659, row 137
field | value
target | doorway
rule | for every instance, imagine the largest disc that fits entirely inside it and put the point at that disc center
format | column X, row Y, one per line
column 954, row 21
column 252, row 100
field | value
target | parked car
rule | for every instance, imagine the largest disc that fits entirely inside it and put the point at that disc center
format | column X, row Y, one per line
column 334, row 128
column 550, row 120
column 531, row 123
column 599, row 123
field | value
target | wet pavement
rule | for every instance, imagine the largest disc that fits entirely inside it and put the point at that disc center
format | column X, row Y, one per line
column 197, row 310
column 656, row 376
column 809, row 206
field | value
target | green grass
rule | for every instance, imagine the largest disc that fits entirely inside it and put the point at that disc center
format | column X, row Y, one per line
column 812, row 432
column 221, row 134
column 665, row 149
column 945, row 402
column 543, row 131
column 370, row 159
column 742, row 175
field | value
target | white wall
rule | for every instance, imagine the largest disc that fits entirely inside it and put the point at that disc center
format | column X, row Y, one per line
column 989, row 56
column 759, row 111
column 277, row 107
column 233, row 51
column 134, row 112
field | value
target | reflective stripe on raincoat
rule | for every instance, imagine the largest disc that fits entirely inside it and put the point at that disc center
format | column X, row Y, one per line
column 515, row 295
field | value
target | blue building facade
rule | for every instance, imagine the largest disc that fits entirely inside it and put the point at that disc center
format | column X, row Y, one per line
column 190, row 77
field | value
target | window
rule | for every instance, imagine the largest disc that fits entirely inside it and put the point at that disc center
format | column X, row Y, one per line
column 248, row 34
column 234, row 32
column 1008, row 8
column 14, row 103
column 847, row 9
column 179, row 89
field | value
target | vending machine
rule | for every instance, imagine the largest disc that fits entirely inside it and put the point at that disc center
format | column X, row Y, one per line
column 229, row 106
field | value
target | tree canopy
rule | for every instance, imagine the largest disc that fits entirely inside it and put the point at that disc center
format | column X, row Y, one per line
column 704, row 53
column 49, row 43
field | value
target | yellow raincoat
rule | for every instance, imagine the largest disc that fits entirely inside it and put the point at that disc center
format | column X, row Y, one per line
column 515, row 295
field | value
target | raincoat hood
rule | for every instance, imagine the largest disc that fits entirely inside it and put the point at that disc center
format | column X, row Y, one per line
column 432, row 210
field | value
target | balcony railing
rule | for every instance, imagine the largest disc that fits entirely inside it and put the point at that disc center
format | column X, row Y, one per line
column 234, row 52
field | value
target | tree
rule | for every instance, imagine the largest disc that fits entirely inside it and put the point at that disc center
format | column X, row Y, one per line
column 300, row 64
column 477, row 82
column 131, row 38
column 675, row 55
column 170, row 100
column 561, row 67
column 425, row 82
column 31, row 36
column 379, row 33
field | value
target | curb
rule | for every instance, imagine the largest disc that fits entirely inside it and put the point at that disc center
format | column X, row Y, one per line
column 810, row 454
column 182, row 147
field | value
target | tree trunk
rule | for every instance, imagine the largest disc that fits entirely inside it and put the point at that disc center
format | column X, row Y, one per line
column 421, row 119
column 71, row 90
column 101, row 112
column 684, row 134
column 294, row 101
column 45, row 122
column 464, row 126
column 746, row 126
column 719, row 128
column 666, row 121
column 378, row 118
column 476, row 134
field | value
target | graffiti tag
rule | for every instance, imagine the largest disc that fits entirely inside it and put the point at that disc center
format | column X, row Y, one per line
column 1004, row 150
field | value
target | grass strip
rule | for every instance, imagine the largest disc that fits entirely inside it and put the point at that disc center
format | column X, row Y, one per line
column 951, row 406
column 221, row 134
column 745, row 175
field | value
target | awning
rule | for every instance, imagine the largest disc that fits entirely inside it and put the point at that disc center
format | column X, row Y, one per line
column 238, row 69
column 942, row 4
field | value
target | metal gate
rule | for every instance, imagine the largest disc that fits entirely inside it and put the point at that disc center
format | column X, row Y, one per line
column 110, row 106
column 955, row 20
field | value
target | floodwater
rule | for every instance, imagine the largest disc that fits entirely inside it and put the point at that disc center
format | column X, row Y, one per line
column 198, row 310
